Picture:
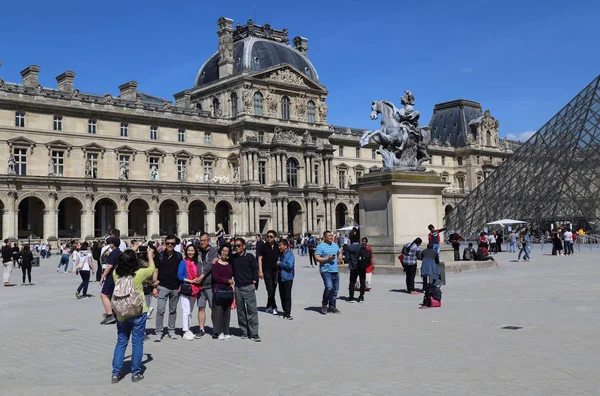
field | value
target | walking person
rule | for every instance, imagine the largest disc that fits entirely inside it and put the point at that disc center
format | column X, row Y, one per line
column 189, row 288
column 358, row 267
column 267, row 270
column 222, row 273
column 64, row 259
column 84, row 268
column 328, row 254
column 512, row 247
column 26, row 262
column 286, row 272
column 412, row 253
column 312, row 247
column 107, row 280
column 206, row 257
column 7, row 262
column 245, row 274
column 16, row 254
column 133, row 325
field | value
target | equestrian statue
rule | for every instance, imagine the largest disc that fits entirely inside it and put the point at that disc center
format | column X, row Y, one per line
column 402, row 144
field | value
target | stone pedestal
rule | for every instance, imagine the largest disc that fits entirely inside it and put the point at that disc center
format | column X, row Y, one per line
column 395, row 208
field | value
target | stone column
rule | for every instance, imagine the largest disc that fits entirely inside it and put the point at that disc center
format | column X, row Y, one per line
column 286, row 226
column 329, row 169
column 247, row 166
column 87, row 220
column 257, row 216
column 212, row 224
column 250, row 205
column 332, row 212
column 183, row 223
column 324, row 163
column 122, row 216
column 301, row 178
column 273, row 224
column 279, row 223
column 9, row 217
column 50, row 217
column 255, row 166
column 309, row 214
column 306, row 168
column 311, row 170
column 153, row 218
column 282, row 168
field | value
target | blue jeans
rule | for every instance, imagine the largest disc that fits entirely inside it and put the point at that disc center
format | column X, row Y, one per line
column 136, row 328
column 331, row 281
column 525, row 250
column 64, row 260
column 305, row 250
column 512, row 248
column 436, row 247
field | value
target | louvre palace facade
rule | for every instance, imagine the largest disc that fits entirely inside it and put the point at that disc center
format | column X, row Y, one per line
column 248, row 146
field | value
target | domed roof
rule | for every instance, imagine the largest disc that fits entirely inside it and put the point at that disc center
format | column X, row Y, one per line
column 252, row 53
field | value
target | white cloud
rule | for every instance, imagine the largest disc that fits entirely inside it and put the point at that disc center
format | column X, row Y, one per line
column 521, row 137
column 466, row 70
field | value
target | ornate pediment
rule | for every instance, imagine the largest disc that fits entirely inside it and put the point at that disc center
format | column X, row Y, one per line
column 285, row 136
column 155, row 152
column 126, row 150
column 183, row 154
column 94, row 148
column 21, row 142
column 59, row 145
column 287, row 75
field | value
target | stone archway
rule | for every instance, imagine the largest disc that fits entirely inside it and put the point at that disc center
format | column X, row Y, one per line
column 31, row 218
column 341, row 215
column 168, row 217
column 197, row 217
column 223, row 216
column 137, row 222
column 104, row 217
column 294, row 218
column 69, row 218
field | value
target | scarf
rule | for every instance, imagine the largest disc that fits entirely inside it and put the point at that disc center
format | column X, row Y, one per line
column 192, row 272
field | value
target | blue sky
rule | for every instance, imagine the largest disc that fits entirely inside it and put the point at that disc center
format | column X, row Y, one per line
column 523, row 60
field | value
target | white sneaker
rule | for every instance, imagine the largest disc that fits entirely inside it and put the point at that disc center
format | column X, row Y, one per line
column 227, row 337
column 221, row 336
column 188, row 336
column 275, row 311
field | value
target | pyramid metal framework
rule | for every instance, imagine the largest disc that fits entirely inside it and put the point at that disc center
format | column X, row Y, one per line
column 554, row 177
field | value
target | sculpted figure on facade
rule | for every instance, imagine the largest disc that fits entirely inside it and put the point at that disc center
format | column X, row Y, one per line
column 50, row 167
column 88, row 168
column 271, row 102
column 124, row 171
column 282, row 136
column 153, row 173
column 287, row 76
column 402, row 143
column 11, row 164
column 247, row 98
column 183, row 172
column 323, row 110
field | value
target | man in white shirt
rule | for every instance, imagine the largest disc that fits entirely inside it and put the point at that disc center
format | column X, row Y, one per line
column 492, row 243
column 568, row 238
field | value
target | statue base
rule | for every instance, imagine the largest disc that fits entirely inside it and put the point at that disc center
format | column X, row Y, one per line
column 395, row 208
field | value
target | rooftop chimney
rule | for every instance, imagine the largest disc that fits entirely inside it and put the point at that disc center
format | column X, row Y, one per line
column 128, row 90
column 182, row 99
column 65, row 81
column 301, row 44
column 225, row 33
column 30, row 76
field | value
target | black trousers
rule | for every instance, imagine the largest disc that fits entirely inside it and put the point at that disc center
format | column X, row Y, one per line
column 98, row 271
column 221, row 315
column 85, row 281
column 456, row 255
column 26, row 269
column 311, row 256
column 411, row 271
column 360, row 273
column 285, row 293
column 271, row 285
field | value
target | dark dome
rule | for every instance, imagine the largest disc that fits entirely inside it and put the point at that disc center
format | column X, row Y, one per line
column 254, row 54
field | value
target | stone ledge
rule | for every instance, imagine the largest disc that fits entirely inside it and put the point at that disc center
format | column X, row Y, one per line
column 451, row 267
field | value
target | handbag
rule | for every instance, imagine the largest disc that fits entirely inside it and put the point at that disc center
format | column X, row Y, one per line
column 224, row 293
column 185, row 289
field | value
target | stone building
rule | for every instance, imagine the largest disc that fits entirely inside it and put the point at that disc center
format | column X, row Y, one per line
column 247, row 146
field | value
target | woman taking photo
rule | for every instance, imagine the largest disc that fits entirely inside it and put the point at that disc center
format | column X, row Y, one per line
column 84, row 268
column 26, row 261
column 222, row 280
column 188, row 289
column 134, row 326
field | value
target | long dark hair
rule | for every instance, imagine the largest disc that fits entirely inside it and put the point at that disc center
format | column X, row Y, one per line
column 26, row 250
column 195, row 258
column 128, row 263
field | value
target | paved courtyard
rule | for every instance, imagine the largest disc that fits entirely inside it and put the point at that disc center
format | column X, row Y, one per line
column 53, row 344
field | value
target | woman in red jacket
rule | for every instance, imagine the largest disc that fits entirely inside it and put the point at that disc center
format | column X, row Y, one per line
column 365, row 243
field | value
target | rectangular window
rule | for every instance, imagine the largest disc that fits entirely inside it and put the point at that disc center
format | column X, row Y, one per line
column 207, row 137
column 261, row 136
column 92, row 126
column 373, row 153
column 459, row 160
column 153, row 163
column 181, row 169
column 208, row 170
column 342, row 178
column 443, row 160
column 181, row 135
column 341, row 151
column 58, row 123
column 124, row 129
column 93, row 157
column 153, row 133
column 262, row 172
column 58, row 158
column 317, row 174
column 20, row 119
column 358, row 152
column 21, row 162
column 358, row 175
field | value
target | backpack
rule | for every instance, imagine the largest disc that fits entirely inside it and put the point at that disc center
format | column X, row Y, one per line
column 468, row 254
column 311, row 242
column 126, row 301
column 364, row 257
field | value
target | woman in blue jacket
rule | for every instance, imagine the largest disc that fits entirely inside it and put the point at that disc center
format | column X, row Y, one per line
column 285, row 267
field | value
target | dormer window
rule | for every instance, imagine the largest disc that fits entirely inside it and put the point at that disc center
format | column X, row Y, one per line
column 310, row 112
column 285, row 108
column 258, row 103
column 216, row 107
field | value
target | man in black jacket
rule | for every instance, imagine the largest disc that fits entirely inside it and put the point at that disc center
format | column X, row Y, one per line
column 245, row 274
column 358, row 269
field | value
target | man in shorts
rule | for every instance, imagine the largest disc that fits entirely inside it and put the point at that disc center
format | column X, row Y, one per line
column 205, row 262
column 107, row 281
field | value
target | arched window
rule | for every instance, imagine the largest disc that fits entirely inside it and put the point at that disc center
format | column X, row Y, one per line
column 258, row 103
column 489, row 138
column 285, row 108
column 216, row 107
column 234, row 105
column 310, row 112
column 292, row 172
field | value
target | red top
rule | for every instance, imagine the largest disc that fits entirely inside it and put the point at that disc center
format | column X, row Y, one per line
column 370, row 267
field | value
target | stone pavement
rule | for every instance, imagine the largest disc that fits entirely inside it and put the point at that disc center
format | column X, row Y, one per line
column 53, row 344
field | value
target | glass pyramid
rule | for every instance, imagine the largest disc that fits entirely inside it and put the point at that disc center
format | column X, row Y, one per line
column 553, row 178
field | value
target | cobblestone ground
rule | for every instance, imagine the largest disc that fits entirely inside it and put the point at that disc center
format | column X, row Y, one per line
column 53, row 344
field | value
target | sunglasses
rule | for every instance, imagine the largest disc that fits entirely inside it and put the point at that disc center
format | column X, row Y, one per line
column 270, row 236
column 170, row 243
column 238, row 246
